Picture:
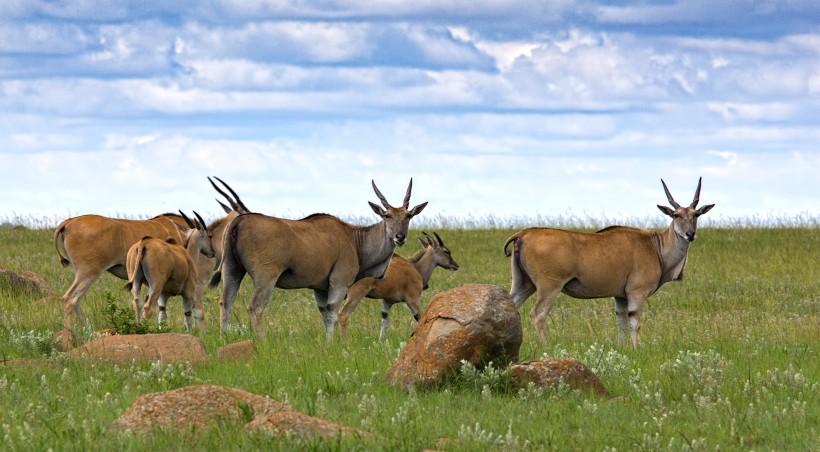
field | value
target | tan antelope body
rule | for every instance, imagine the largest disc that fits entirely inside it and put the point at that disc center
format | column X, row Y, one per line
column 626, row 263
column 403, row 282
column 319, row 252
column 169, row 268
column 94, row 244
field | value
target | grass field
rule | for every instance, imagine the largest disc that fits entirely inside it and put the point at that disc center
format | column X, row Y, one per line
column 729, row 360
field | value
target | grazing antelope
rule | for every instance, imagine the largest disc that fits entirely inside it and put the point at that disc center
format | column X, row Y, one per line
column 170, row 268
column 626, row 263
column 94, row 244
column 319, row 252
column 403, row 281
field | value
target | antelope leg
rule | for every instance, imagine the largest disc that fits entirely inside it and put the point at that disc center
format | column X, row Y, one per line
column 73, row 296
column 622, row 315
column 543, row 306
column 386, row 305
column 259, row 300
column 355, row 295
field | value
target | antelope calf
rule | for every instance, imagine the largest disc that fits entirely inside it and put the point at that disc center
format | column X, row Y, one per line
column 403, row 281
column 626, row 263
column 169, row 268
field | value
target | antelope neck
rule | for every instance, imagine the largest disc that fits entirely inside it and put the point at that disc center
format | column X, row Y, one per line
column 425, row 265
column 672, row 251
column 373, row 244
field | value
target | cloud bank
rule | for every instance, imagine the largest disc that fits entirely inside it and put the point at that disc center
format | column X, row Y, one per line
column 123, row 108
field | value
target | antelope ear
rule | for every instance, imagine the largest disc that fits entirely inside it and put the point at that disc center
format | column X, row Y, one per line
column 704, row 209
column 423, row 243
column 182, row 228
column 666, row 210
column 416, row 210
column 376, row 208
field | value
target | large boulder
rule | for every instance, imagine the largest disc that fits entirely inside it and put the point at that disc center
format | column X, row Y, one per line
column 552, row 372
column 126, row 348
column 474, row 322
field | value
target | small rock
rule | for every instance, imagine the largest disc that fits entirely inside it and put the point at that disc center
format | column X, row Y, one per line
column 195, row 406
column 300, row 424
column 64, row 340
column 103, row 333
column 28, row 363
column 239, row 351
column 165, row 347
column 550, row 372
column 201, row 406
column 27, row 282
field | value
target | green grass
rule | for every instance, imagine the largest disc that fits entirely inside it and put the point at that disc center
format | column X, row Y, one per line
column 729, row 360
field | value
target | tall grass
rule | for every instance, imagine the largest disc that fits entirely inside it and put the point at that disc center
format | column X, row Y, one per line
column 729, row 360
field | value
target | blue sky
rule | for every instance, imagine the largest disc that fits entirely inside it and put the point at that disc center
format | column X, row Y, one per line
column 494, row 108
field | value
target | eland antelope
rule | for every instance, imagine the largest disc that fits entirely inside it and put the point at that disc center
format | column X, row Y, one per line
column 170, row 268
column 94, row 244
column 403, row 281
column 626, row 263
column 319, row 252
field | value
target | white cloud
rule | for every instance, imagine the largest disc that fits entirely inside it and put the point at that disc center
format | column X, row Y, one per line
column 290, row 40
column 42, row 38
column 300, row 104
column 731, row 111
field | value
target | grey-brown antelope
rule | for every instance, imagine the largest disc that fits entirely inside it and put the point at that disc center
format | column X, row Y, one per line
column 94, row 244
column 319, row 252
column 170, row 268
column 403, row 281
column 626, row 263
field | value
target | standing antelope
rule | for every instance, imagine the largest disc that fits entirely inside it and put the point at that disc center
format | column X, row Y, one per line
column 94, row 244
column 403, row 281
column 626, row 263
column 170, row 268
column 319, row 252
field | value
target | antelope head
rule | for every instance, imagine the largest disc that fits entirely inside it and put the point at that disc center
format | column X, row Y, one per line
column 396, row 219
column 441, row 254
column 685, row 219
column 198, row 227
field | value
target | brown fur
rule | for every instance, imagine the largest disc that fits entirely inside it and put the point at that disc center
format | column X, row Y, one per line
column 403, row 282
column 319, row 252
column 169, row 269
column 626, row 263
column 94, row 244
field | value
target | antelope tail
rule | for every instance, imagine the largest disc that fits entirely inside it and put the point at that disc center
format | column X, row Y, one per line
column 217, row 276
column 138, row 272
column 228, row 251
column 515, row 238
column 59, row 244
